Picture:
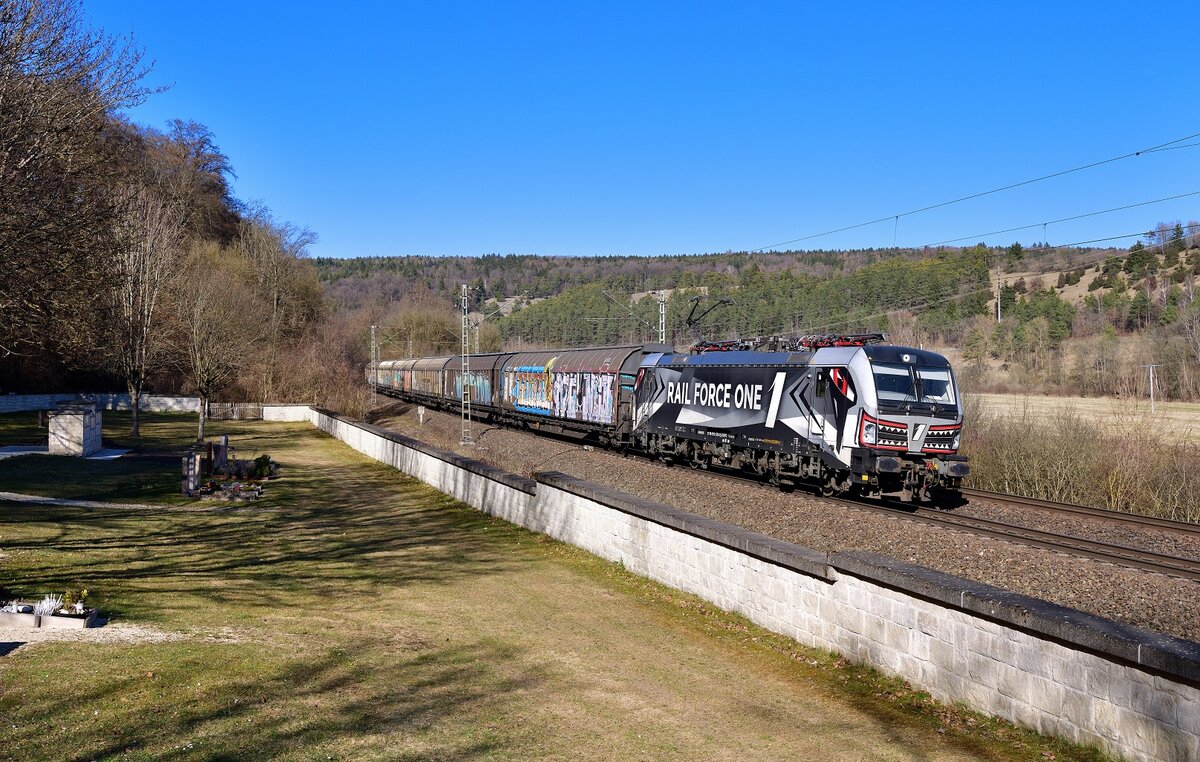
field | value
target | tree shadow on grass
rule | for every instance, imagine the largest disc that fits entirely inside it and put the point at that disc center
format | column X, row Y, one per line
column 413, row 699
column 319, row 539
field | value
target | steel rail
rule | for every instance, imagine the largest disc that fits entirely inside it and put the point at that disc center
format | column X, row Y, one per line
column 1083, row 510
column 1122, row 555
column 1116, row 554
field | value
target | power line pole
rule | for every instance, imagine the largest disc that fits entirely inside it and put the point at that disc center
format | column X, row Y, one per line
column 1151, row 369
column 997, row 294
column 662, row 317
column 465, row 387
column 374, row 370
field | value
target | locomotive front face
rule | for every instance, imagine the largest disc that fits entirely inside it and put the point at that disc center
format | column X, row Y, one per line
column 915, row 408
column 911, row 419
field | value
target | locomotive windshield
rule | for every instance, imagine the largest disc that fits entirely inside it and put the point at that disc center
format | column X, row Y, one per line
column 913, row 383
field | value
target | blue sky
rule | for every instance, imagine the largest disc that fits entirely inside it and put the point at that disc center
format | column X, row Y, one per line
column 660, row 128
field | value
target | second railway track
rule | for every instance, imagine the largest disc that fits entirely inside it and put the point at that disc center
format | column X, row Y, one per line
column 1102, row 514
column 1121, row 555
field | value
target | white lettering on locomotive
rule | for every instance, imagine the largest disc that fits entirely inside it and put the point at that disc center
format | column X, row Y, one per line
column 744, row 396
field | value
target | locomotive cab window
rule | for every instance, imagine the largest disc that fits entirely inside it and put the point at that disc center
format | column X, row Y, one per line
column 913, row 383
column 820, row 383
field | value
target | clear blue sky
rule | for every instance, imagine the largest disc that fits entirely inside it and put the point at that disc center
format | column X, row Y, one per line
column 656, row 128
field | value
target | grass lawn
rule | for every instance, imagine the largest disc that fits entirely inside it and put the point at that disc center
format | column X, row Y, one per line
column 153, row 478
column 355, row 613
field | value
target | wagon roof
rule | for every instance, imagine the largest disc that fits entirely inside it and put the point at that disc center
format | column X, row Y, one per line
column 431, row 363
column 592, row 360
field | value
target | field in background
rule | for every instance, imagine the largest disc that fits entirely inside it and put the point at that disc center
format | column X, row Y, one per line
column 355, row 613
column 1174, row 421
column 1100, row 452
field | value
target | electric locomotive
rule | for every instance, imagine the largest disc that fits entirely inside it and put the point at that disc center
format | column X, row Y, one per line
column 844, row 413
column 847, row 414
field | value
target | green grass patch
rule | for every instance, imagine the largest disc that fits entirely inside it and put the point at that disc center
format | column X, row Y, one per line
column 354, row 613
column 21, row 429
column 153, row 476
column 122, row 480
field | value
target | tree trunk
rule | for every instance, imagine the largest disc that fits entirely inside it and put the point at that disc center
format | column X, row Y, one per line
column 203, row 416
column 135, row 404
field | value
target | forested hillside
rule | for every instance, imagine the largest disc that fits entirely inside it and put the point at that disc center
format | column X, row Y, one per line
column 944, row 287
column 363, row 280
column 1069, row 316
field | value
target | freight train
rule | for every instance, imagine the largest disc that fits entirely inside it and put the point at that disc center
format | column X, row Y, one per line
column 847, row 415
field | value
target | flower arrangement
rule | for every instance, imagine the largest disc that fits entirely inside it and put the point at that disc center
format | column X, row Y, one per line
column 48, row 605
column 75, row 601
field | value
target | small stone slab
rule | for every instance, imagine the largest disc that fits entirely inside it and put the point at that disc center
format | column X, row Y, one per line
column 11, row 619
column 62, row 622
column 12, row 451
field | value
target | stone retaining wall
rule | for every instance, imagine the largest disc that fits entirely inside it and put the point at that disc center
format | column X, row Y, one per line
column 1133, row 692
column 151, row 403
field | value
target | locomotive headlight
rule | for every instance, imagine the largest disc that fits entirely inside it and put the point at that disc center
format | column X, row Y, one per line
column 954, row 444
column 868, row 433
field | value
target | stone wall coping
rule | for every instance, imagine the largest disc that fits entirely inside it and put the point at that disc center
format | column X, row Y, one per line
column 1173, row 657
column 785, row 554
column 519, row 483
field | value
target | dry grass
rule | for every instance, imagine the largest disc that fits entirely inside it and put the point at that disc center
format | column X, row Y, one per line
column 1171, row 421
column 1106, row 454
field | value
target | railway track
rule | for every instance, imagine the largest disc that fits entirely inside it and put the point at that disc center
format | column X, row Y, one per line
column 1102, row 514
column 1116, row 554
column 1119, row 555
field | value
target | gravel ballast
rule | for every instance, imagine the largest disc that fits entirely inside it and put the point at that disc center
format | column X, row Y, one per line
column 1145, row 599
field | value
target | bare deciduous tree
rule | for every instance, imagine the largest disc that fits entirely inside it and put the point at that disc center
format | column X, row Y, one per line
column 276, row 253
column 148, row 235
column 217, row 322
column 60, row 82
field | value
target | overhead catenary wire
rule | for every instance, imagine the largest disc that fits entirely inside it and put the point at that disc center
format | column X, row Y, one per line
column 1043, row 225
column 1169, row 145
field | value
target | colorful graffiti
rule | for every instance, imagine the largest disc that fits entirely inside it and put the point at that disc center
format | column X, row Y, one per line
column 527, row 388
column 581, row 396
column 584, row 396
column 480, row 385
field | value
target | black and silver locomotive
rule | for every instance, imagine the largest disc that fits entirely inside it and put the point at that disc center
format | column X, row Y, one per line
column 845, row 414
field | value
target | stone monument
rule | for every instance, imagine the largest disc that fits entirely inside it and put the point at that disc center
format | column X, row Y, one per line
column 75, row 429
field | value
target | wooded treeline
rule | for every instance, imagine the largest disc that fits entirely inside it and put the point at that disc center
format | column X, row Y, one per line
column 359, row 281
column 126, row 260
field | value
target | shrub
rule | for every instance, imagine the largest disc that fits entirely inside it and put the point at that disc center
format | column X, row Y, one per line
column 262, row 467
column 1069, row 458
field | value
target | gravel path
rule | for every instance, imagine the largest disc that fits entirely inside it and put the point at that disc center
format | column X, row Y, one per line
column 1140, row 598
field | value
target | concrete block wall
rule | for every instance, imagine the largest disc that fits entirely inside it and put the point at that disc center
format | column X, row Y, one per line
column 12, row 403
column 293, row 413
column 1134, row 693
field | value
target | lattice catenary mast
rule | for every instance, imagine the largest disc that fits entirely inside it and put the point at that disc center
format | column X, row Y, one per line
column 465, row 439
